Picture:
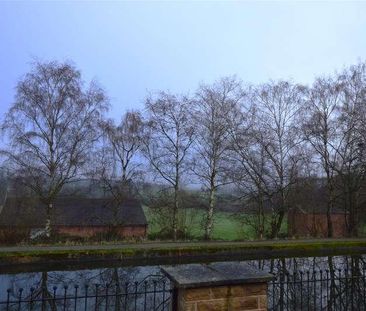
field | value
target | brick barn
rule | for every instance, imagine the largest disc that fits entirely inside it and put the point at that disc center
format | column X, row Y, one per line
column 76, row 217
column 314, row 223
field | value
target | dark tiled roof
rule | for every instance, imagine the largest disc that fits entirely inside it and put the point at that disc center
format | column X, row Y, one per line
column 72, row 212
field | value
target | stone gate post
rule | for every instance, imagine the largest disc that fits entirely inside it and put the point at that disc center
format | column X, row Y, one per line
column 225, row 286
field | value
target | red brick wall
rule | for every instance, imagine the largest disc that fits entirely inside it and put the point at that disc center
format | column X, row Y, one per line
column 300, row 224
column 133, row 231
column 85, row 232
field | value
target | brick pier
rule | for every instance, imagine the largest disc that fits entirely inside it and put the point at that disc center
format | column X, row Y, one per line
column 229, row 286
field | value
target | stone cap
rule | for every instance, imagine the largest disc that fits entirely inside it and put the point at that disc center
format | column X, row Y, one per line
column 214, row 274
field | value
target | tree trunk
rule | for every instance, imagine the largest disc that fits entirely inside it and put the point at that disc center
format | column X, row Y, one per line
column 48, row 220
column 175, row 213
column 276, row 224
column 124, row 174
column 261, row 228
column 353, row 230
column 261, row 220
column 329, row 221
column 329, row 205
column 329, row 224
column 210, row 212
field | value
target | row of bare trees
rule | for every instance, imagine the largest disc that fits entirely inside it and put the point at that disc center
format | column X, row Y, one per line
column 258, row 140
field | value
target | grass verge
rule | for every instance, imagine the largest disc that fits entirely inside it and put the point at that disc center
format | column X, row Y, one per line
column 156, row 250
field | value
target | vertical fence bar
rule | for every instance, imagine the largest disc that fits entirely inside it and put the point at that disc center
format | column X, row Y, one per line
column 20, row 299
column 135, row 302
column 321, row 290
column 314, row 288
column 65, row 296
column 8, row 298
column 126, row 294
column 301, row 291
column 53, row 297
column 154, row 297
column 328, row 303
column 106, row 296
column 352, row 289
column 76, row 297
column 42, row 298
column 31, row 299
column 117, row 298
column 145, row 294
column 340, row 290
column 308, row 290
column 287, row 292
column 86, row 297
column 273, row 292
column 363, row 288
column 163, row 295
column 346, row 287
column 295, row 282
column 96, row 297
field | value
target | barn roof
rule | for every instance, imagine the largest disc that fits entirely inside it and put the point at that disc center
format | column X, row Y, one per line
column 72, row 212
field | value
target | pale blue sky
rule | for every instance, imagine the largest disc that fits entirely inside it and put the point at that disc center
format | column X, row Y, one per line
column 135, row 47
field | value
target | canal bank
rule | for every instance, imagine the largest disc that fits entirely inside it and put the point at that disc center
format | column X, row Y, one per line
column 172, row 252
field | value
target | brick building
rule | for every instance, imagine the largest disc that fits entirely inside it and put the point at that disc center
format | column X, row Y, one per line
column 77, row 217
column 314, row 223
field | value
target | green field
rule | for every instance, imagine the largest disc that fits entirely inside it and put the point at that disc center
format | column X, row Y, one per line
column 227, row 226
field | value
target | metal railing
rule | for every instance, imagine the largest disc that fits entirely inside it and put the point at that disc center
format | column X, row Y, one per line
column 335, row 290
column 151, row 294
column 338, row 290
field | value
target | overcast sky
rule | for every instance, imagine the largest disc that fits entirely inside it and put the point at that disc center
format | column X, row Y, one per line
column 135, row 47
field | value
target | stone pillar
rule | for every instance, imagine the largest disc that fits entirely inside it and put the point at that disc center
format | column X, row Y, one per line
column 227, row 286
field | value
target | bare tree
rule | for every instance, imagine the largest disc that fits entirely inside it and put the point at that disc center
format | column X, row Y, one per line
column 277, row 105
column 320, row 130
column 267, row 148
column 166, row 145
column 124, row 142
column 214, row 106
column 247, row 168
column 51, row 127
column 350, row 164
column 114, row 170
column 116, row 167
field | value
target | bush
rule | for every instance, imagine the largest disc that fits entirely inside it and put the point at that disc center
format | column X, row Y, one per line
column 13, row 236
column 167, row 234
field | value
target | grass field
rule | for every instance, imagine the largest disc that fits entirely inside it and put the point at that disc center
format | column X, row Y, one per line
column 227, row 226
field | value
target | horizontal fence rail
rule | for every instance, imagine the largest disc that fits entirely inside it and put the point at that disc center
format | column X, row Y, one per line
column 153, row 293
column 338, row 290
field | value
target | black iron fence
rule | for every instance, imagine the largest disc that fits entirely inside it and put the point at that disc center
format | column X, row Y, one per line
column 338, row 290
column 333, row 290
column 151, row 294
